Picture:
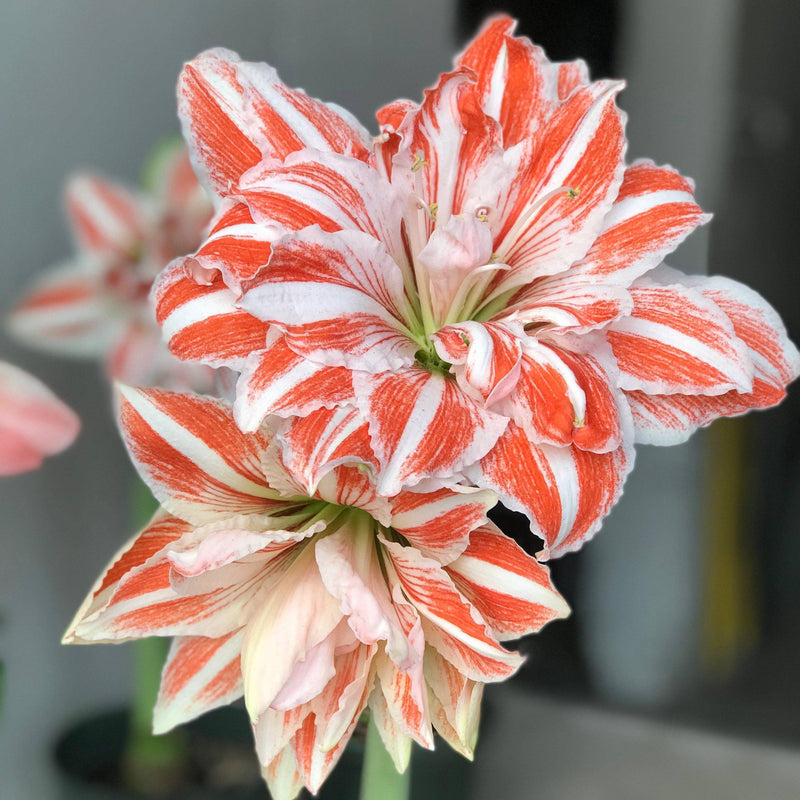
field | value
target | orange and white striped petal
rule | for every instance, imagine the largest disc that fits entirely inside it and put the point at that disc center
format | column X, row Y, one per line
column 451, row 624
column 512, row 591
column 34, row 423
column 281, row 775
column 486, row 357
column 677, row 341
column 653, row 213
column 339, row 298
column 670, row 419
column 565, row 492
column 201, row 321
column 516, row 84
column 422, row 426
column 554, row 208
column 200, row 673
column 395, row 740
column 438, row 522
column 195, row 459
column 324, row 439
column 278, row 381
column 313, row 187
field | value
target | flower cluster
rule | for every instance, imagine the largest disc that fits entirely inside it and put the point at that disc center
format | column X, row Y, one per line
column 96, row 305
column 470, row 305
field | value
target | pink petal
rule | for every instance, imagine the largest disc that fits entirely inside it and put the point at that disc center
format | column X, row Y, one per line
column 422, row 425
column 34, row 423
column 511, row 590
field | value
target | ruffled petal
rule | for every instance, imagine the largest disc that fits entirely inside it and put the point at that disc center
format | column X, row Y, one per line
column 281, row 382
column 676, row 341
column 439, row 523
column 422, row 425
column 201, row 322
column 564, row 491
column 200, row 674
column 671, row 419
column 654, row 212
column 339, row 297
column 195, row 459
column 512, row 591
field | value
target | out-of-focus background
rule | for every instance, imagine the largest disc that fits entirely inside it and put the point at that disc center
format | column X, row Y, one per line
column 677, row 675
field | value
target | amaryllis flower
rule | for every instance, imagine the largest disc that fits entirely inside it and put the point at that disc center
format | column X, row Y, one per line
column 96, row 304
column 34, row 423
column 284, row 577
column 479, row 280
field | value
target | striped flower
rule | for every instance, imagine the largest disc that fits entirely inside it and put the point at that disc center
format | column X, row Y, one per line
column 286, row 578
column 96, row 304
column 481, row 280
column 34, row 423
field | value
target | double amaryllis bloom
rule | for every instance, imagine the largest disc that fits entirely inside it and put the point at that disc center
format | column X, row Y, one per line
column 34, row 423
column 480, row 280
column 285, row 577
column 469, row 305
column 96, row 305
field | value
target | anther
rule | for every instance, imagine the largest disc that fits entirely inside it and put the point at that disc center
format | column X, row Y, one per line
column 573, row 193
column 419, row 162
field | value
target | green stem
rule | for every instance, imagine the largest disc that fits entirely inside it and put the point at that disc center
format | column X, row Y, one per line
column 379, row 778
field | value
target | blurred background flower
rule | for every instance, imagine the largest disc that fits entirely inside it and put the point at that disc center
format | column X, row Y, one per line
column 705, row 538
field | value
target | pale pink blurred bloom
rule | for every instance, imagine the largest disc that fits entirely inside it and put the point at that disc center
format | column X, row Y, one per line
column 34, row 423
column 96, row 304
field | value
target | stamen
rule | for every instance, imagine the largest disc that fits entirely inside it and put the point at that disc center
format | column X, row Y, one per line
column 433, row 208
column 381, row 138
column 482, row 213
column 419, row 162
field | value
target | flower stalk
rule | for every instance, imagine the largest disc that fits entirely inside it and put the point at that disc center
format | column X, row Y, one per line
column 380, row 780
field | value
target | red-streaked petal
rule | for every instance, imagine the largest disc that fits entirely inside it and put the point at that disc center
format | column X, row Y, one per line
column 107, row 218
column 571, row 76
column 286, row 120
column 451, row 618
column 69, row 313
column 395, row 740
column 445, row 145
column 202, row 322
column 34, row 423
column 678, row 342
column 565, row 492
column 455, row 703
column 313, row 187
column 670, row 419
column 405, row 695
column 211, row 107
column 236, row 246
column 422, row 425
column 200, row 674
column 281, row 382
column 568, row 303
column 193, row 456
column 322, row 440
column 516, row 82
column 439, row 523
column 339, row 297
column 545, row 227
column 512, row 591
column 491, row 364
column 654, row 212
column 281, row 775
